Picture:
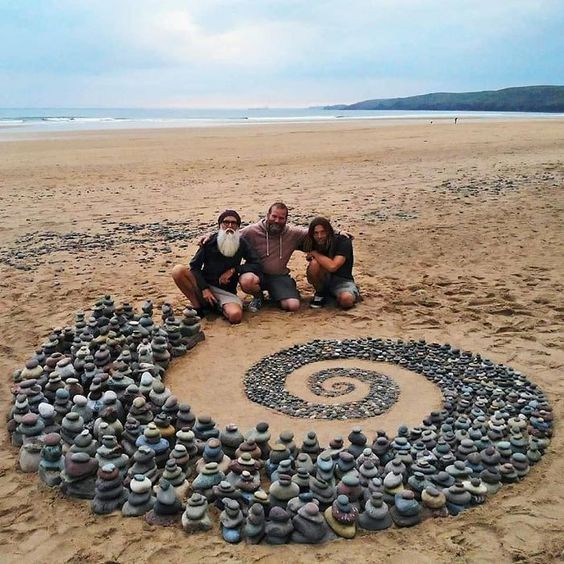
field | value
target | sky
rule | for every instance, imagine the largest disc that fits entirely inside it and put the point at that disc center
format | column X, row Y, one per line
column 243, row 53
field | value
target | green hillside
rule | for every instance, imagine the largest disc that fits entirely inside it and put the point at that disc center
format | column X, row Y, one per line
column 519, row 99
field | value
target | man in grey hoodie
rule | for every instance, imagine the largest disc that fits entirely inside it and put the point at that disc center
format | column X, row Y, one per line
column 274, row 241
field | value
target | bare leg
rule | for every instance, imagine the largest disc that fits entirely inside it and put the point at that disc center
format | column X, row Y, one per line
column 346, row 300
column 250, row 283
column 316, row 275
column 290, row 304
column 187, row 284
column 233, row 313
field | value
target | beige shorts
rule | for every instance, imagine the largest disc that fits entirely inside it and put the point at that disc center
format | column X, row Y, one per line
column 224, row 297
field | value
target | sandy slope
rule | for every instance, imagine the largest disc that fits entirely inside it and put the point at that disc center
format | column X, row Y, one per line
column 459, row 238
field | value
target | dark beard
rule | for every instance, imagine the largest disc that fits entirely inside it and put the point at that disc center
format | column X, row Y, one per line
column 274, row 228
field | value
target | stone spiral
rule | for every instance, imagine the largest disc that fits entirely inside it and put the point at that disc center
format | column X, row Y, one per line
column 265, row 384
column 492, row 425
column 461, row 376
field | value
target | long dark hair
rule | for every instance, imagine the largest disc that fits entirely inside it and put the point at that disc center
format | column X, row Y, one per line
column 310, row 244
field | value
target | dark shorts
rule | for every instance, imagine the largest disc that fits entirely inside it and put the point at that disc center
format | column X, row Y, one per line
column 280, row 287
column 336, row 285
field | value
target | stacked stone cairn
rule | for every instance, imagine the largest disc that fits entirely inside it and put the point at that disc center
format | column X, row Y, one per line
column 92, row 415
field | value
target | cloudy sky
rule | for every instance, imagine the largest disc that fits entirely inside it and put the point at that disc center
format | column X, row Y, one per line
column 245, row 53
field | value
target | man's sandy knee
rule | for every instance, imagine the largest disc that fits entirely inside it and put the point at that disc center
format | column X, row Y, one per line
column 291, row 304
column 346, row 300
column 249, row 282
column 233, row 314
column 179, row 271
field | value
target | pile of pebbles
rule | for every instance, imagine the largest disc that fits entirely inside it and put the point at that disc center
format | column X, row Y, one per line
column 379, row 215
column 93, row 417
column 501, row 184
column 154, row 239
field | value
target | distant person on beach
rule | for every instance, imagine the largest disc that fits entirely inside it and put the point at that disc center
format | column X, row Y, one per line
column 330, row 266
column 455, row 120
column 210, row 282
column 274, row 241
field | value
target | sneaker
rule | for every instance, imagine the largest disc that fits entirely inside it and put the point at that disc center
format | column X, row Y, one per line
column 317, row 302
column 255, row 304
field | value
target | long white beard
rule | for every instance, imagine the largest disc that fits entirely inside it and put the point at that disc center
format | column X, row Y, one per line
column 228, row 242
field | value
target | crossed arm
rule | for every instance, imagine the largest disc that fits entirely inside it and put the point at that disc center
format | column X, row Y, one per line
column 328, row 264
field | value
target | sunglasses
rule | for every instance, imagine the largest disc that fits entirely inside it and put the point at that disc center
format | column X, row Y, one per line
column 227, row 223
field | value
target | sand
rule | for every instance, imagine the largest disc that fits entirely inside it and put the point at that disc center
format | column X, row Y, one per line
column 458, row 238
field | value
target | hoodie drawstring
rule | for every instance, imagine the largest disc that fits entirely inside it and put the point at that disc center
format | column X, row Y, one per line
column 268, row 245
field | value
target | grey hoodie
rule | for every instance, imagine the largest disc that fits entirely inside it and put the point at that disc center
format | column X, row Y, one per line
column 274, row 251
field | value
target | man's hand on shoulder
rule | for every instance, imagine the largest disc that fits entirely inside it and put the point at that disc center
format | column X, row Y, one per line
column 204, row 239
column 347, row 235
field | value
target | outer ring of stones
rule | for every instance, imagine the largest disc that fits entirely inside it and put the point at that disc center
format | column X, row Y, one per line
column 462, row 377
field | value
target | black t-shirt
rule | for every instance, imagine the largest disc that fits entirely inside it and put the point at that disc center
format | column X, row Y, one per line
column 342, row 246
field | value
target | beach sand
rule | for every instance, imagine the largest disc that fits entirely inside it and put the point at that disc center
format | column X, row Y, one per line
column 458, row 238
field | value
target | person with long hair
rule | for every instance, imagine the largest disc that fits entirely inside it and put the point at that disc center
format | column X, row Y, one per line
column 331, row 260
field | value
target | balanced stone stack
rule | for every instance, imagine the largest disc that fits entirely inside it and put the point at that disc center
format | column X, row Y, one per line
column 342, row 517
column 230, row 439
column 376, row 516
column 279, row 527
column 231, row 519
column 190, row 328
column 52, row 461
column 110, row 494
column 224, row 490
column 310, row 527
column 253, row 529
column 167, row 508
column 406, row 511
column 282, row 491
column 144, row 464
column 434, row 502
column 151, row 438
column 78, row 478
column 140, row 499
column 176, row 477
column 195, row 517
column 209, row 477
column 110, row 452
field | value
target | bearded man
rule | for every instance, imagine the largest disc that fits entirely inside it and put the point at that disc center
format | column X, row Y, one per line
column 330, row 265
column 275, row 240
column 210, row 282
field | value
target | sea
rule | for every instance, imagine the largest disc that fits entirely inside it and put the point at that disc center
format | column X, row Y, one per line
column 81, row 119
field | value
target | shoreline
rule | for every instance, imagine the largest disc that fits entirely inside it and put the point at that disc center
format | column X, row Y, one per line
column 23, row 132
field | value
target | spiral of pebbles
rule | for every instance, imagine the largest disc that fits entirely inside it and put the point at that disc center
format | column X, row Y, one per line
column 457, row 373
column 493, row 400
column 265, row 382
